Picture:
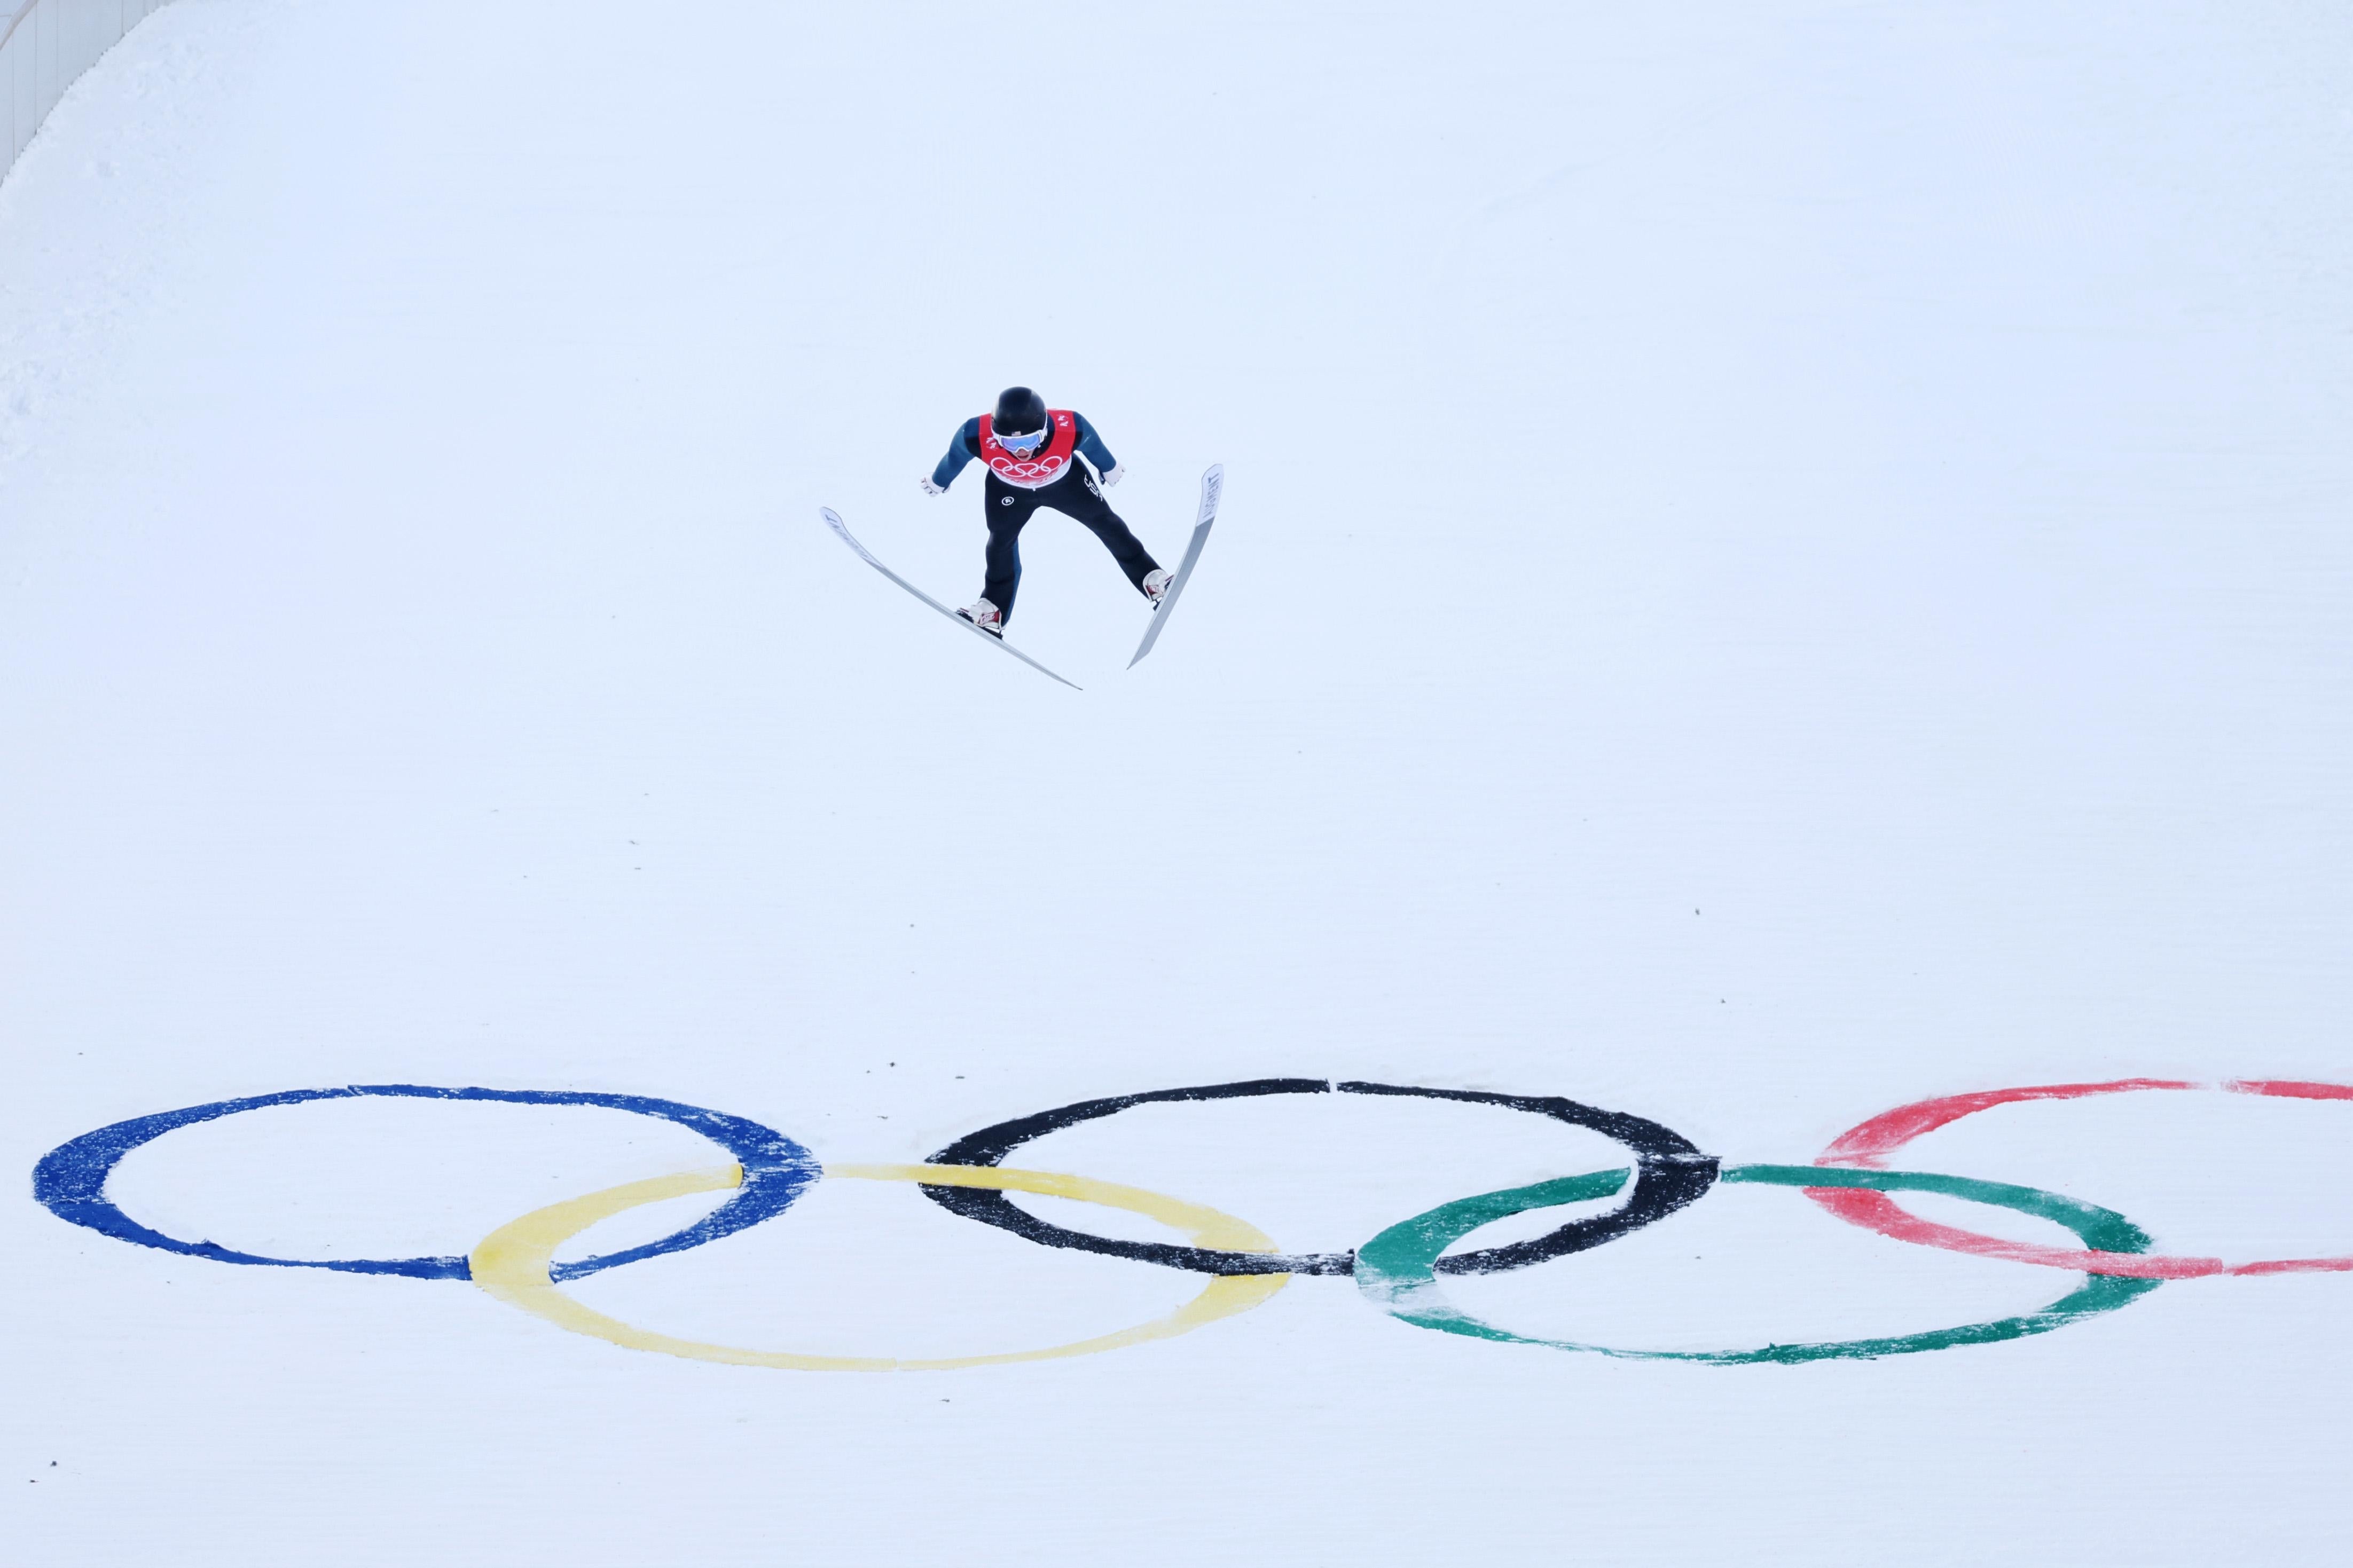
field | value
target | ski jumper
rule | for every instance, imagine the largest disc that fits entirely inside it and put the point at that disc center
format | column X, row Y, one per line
column 1051, row 477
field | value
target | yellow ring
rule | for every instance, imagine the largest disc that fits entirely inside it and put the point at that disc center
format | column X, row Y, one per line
column 511, row 1263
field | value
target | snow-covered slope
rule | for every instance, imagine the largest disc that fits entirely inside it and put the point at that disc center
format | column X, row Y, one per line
column 1778, row 560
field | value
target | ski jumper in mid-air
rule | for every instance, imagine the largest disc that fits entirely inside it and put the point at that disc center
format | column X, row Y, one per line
column 1032, row 454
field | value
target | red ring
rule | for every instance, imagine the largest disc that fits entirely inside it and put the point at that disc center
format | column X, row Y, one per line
column 1868, row 1145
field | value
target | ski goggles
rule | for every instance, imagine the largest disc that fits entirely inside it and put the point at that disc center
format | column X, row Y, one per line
column 1022, row 445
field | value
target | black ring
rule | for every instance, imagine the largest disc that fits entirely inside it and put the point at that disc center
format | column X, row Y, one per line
column 1669, row 1172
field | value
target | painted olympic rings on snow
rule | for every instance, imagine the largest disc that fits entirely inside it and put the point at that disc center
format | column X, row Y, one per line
column 513, row 1264
column 1866, row 1146
column 1398, row 1270
column 1669, row 1172
column 1395, row 1269
column 71, row 1178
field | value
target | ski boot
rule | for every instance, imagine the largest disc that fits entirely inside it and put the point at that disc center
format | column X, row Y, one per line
column 985, row 615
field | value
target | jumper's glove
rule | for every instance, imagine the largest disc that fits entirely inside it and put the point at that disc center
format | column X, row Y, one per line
column 932, row 489
column 1116, row 473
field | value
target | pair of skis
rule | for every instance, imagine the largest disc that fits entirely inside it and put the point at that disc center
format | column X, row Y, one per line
column 1212, row 483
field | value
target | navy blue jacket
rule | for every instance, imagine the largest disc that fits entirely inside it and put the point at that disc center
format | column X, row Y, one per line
column 966, row 447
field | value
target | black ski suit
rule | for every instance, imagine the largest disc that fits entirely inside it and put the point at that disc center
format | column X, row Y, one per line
column 1074, row 495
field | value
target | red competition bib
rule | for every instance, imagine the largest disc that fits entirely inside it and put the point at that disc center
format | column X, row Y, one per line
column 1039, row 470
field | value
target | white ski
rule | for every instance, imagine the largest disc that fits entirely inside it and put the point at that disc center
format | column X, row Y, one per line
column 1212, row 483
column 833, row 522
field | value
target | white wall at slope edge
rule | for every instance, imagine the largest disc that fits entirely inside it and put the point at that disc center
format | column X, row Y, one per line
column 43, row 45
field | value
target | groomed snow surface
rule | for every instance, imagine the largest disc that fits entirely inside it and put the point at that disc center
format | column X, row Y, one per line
column 1779, row 560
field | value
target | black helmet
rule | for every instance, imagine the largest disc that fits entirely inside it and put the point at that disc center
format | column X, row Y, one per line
column 1019, row 411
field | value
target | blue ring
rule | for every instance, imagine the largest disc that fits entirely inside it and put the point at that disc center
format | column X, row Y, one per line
column 70, row 1180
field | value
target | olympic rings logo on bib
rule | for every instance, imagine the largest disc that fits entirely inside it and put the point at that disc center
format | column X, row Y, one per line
column 1399, row 1270
column 1030, row 475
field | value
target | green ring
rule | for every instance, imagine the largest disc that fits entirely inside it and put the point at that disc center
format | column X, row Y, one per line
column 1396, row 1273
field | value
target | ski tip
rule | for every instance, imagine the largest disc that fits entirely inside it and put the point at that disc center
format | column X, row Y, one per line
column 832, row 517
